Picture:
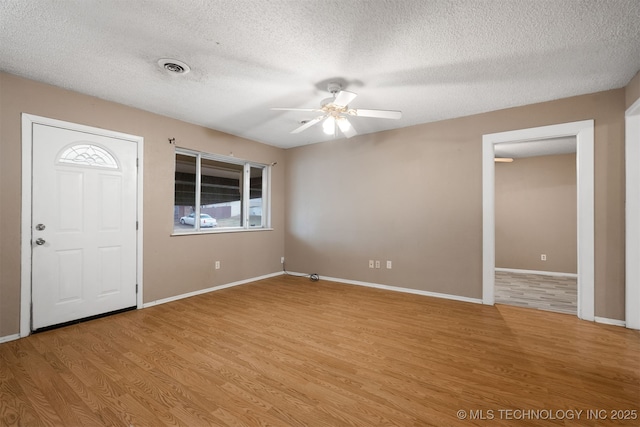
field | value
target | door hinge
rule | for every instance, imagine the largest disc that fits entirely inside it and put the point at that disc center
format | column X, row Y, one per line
column 136, row 225
column 136, row 288
column 137, row 162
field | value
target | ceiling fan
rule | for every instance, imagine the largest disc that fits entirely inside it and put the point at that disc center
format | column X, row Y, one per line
column 335, row 111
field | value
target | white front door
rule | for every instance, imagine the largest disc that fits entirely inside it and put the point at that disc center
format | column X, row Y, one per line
column 83, row 228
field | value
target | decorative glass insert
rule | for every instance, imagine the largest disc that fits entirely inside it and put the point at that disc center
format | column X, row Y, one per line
column 88, row 155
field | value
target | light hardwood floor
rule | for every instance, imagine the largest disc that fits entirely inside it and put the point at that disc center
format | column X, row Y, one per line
column 290, row 352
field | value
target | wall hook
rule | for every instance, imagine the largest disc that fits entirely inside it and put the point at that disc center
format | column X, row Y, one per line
column 172, row 140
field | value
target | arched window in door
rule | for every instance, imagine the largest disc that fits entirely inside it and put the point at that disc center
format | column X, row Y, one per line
column 88, row 155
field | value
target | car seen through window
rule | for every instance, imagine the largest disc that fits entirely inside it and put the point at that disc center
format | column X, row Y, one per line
column 205, row 220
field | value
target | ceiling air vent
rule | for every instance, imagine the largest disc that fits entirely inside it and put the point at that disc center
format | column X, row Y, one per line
column 174, row 66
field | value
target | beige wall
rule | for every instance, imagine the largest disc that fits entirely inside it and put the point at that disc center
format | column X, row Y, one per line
column 414, row 196
column 536, row 213
column 632, row 91
column 172, row 265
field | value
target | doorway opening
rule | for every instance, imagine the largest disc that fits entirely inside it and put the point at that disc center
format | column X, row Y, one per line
column 632, row 147
column 536, row 225
column 583, row 132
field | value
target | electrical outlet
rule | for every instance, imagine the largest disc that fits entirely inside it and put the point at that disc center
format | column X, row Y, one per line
column 543, row 257
column 377, row 264
column 389, row 265
column 217, row 265
column 370, row 263
column 281, row 260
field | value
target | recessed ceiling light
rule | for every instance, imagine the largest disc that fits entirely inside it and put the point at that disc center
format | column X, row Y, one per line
column 174, row 66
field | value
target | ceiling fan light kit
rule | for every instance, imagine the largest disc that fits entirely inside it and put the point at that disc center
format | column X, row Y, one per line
column 335, row 111
column 329, row 125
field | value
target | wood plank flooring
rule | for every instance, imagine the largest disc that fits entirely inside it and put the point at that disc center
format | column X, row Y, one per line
column 289, row 352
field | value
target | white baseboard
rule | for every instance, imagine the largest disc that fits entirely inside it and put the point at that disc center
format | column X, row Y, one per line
column 544, row 273
column 603, row 320
column 9, row 338
column 607, row 321
column 399, row 289
column 177, row 297
column 212, row 289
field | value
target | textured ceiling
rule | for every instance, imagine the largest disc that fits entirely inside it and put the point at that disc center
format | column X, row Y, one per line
column 432, row 60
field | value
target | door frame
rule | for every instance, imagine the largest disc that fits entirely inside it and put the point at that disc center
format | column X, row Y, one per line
column 632, row 273
column 584, row 133
column 28, row 121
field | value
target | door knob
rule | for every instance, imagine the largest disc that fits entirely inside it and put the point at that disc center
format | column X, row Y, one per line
column 40, row 241
column 40, row 227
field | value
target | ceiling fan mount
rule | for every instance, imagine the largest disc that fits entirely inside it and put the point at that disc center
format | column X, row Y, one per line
column 333, row 88
column 335, row 111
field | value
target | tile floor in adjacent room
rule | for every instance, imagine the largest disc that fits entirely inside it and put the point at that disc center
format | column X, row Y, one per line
column 551, row 293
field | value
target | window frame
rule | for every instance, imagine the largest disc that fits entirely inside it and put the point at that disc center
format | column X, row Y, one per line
column 245, row 199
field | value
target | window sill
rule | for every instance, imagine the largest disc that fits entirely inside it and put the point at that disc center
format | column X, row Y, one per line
column 222, row 231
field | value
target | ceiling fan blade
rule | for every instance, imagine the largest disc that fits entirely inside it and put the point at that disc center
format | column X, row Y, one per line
column 343, row 98
column 295, row 109
column 345, row 127
column 307, row 125
column 380, row 114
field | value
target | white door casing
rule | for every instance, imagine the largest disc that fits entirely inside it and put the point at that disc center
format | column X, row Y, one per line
column 584, row 133
column 632, row 273
column 84, row 187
